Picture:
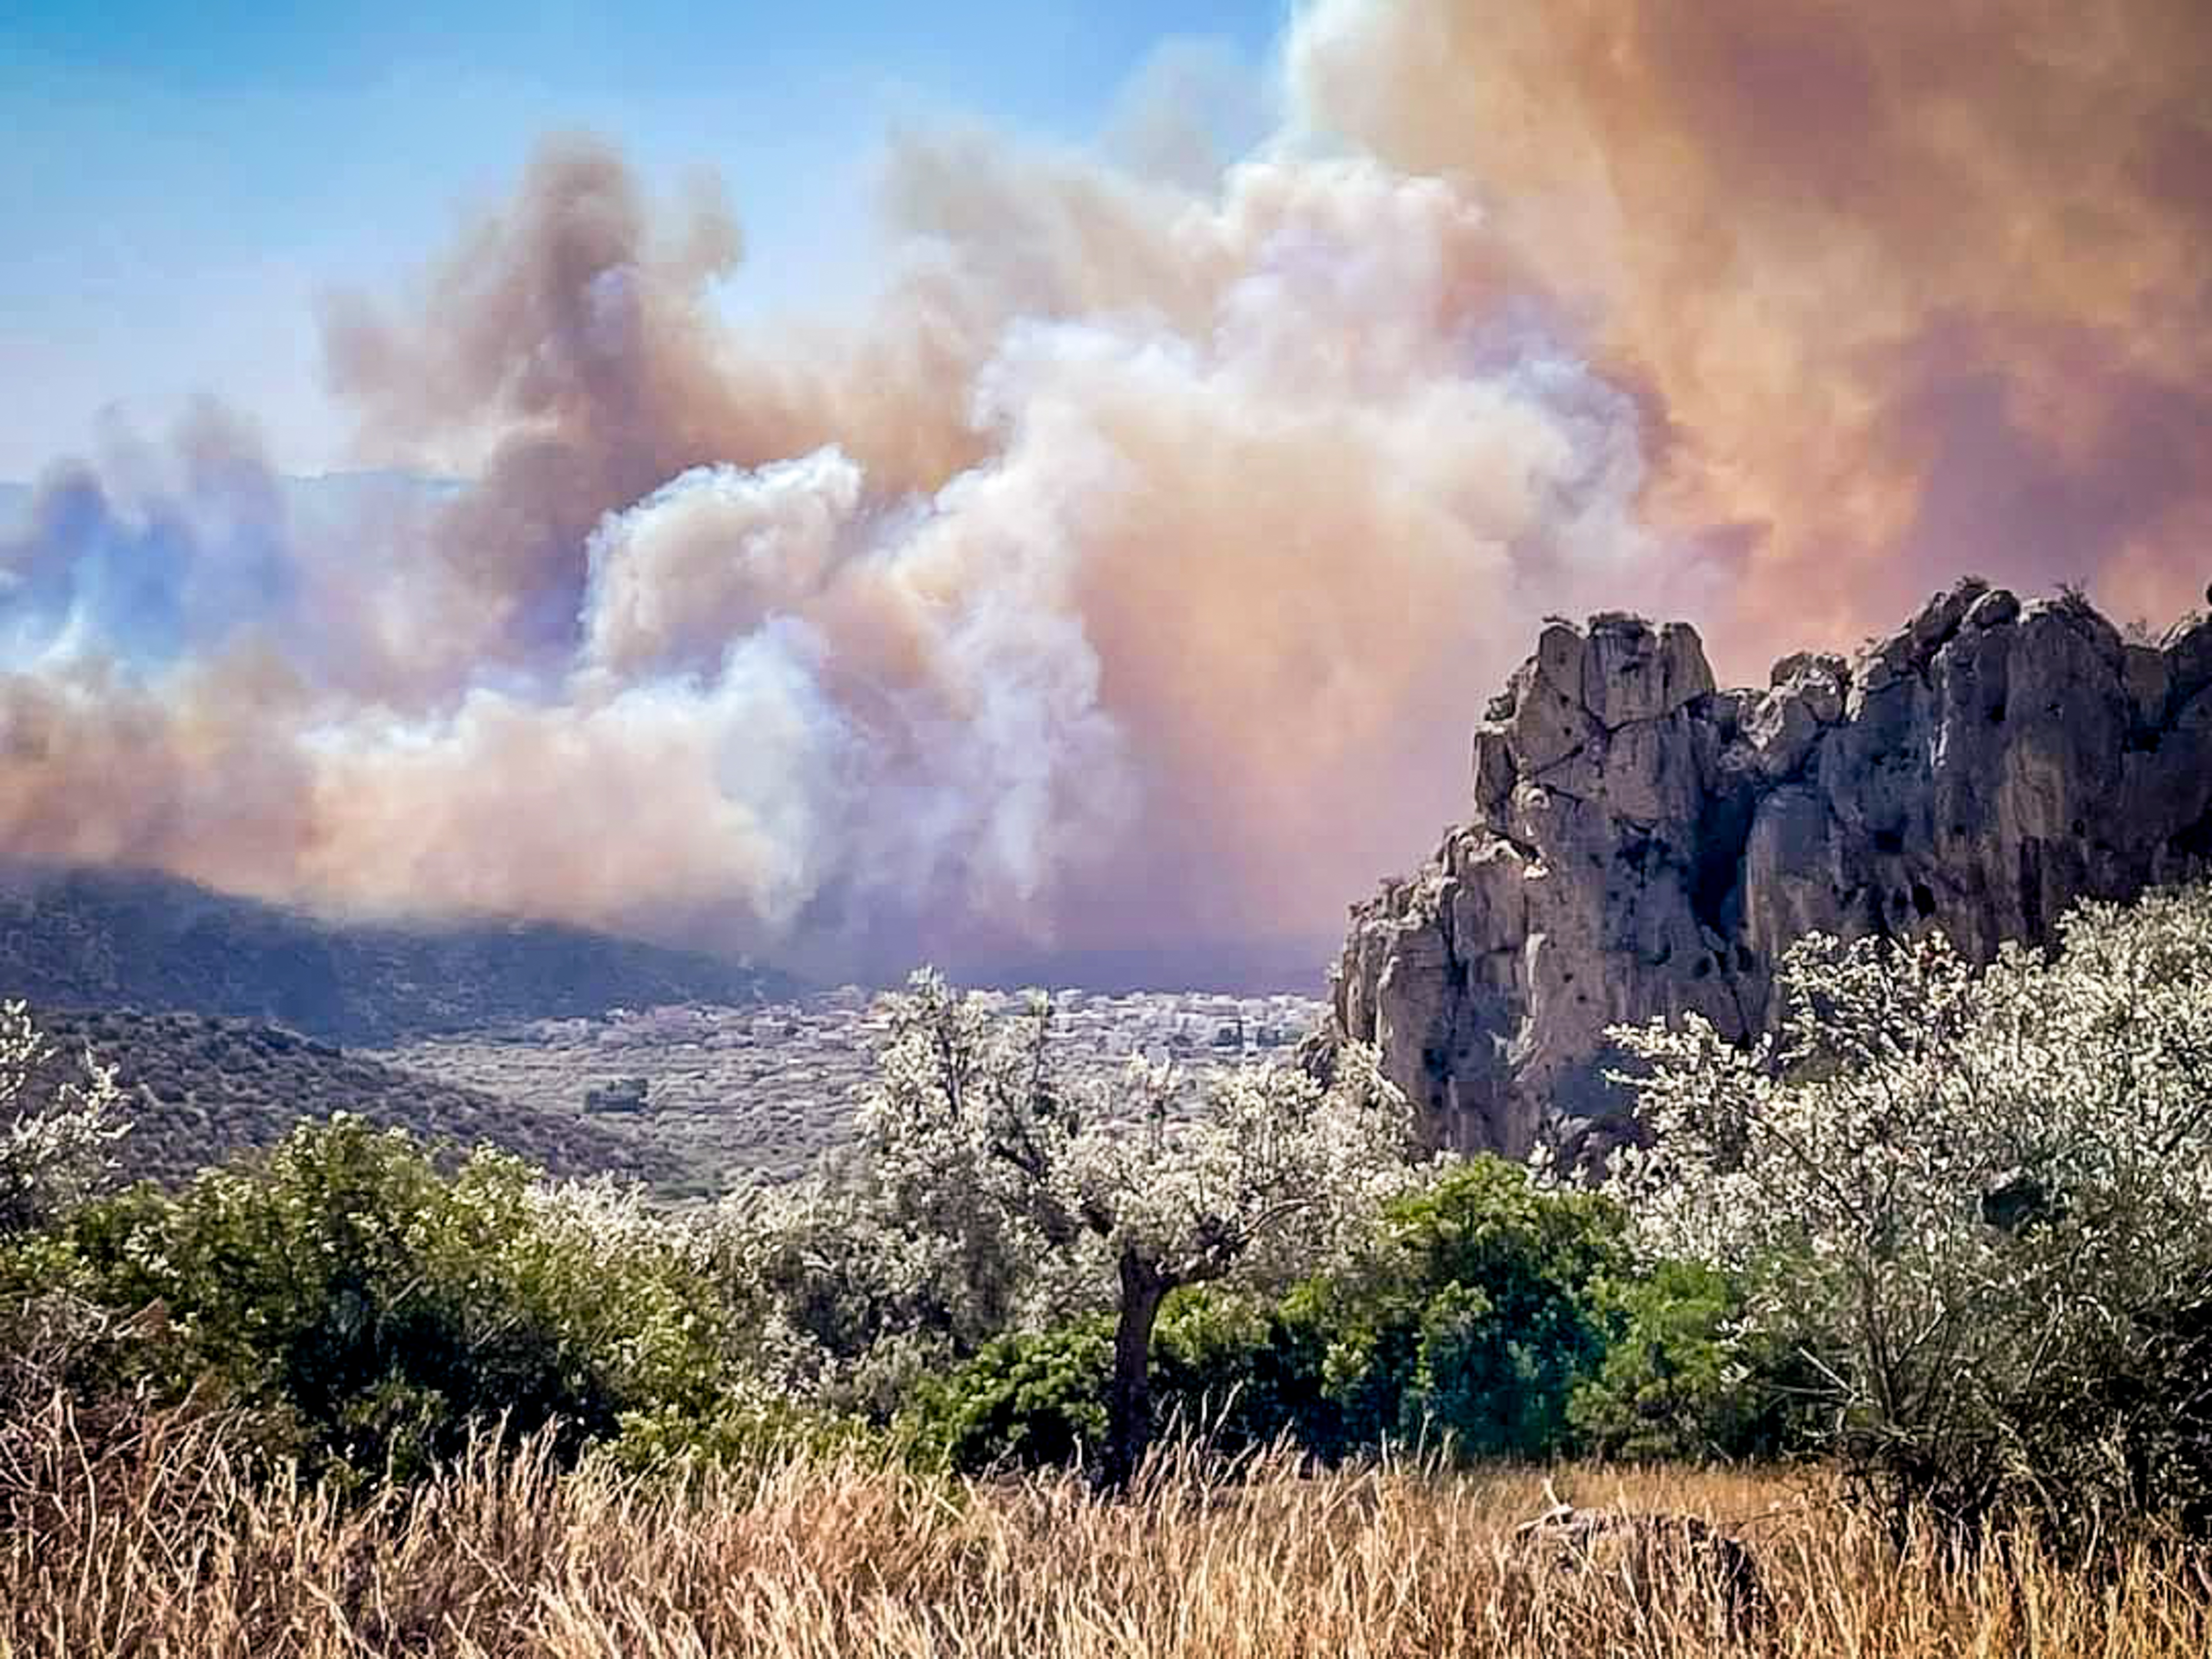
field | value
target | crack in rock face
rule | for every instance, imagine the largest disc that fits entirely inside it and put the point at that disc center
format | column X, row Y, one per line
column 1643, row 844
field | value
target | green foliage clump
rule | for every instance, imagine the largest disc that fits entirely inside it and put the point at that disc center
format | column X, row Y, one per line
column 1030, row 1401
column 371, row 1313
column 1222, row 1372
column 1469, row 1321
column 1679, row 1380
column 1040, row 1399
column 742, row 1427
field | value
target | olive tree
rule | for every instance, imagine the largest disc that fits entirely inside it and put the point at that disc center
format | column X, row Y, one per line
column 1978, row 1203
column 1072, row 1193
column 54, row 1149
column 54, row 1142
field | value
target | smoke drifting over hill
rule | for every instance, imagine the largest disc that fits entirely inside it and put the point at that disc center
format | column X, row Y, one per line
column 1125, row 573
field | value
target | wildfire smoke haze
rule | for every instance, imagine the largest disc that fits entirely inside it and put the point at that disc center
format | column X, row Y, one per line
column 1130, row 569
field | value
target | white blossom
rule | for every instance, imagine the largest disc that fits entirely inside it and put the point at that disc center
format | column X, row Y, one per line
column 992, row 1192
column 972, row 1124
column 1945, row 1186
column 55, row 1150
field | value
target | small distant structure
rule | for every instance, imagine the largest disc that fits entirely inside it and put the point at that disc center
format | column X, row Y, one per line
column 628, row 1094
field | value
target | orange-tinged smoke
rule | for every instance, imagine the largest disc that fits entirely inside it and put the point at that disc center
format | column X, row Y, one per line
column 1915, row 286
column 1129, row 573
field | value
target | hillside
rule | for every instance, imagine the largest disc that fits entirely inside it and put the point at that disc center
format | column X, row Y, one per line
column 767, row 1091
column 199, row 1089
column 85, row 940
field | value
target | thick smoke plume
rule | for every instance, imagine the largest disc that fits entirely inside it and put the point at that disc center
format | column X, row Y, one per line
column 1128, row 576
column 1906, row 285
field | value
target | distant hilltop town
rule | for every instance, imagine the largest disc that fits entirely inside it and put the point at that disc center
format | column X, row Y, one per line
column 767, row 1087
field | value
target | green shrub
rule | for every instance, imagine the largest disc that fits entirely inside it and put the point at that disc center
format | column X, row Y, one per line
column 372, row 1312
column 1677, row 1382
column 1468, row 1323
column 743, row 1427
column 1218, row 1370
column 1030, row 1401
column 1469, row 1320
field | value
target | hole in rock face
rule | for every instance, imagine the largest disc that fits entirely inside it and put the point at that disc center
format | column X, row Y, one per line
column 1723, row 835
column 1745, row 960
column 1705, row 967
column 1923, row 901
column 1888, row 841
column 1996, row 714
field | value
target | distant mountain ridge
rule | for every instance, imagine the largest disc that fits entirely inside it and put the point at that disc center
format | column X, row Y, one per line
column 130, row 939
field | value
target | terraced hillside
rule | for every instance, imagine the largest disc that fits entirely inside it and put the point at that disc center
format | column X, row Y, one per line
column 767, row 1091
column 692, row 1099
column 199, row 1089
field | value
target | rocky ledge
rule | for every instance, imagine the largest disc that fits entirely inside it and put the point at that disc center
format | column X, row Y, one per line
column 1643, row 843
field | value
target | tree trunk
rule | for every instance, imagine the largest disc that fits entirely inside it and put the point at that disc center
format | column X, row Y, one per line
column 1129, row 1408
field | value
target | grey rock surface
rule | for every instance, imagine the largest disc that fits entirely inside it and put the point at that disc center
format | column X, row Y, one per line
column 1642, row 844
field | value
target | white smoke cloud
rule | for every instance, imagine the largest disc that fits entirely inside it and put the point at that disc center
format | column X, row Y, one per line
column 1253, row 500
column 710, row 556
column 1130, row 573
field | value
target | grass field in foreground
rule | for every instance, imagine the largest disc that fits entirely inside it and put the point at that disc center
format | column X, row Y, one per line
column 153, row 1543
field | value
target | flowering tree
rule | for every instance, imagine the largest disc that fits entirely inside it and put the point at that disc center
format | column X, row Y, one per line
column 1979, row 1203
column 54, row 1149
column 1038, row 1188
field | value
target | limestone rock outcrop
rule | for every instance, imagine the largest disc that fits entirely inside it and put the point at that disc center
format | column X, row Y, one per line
column 1643, row 844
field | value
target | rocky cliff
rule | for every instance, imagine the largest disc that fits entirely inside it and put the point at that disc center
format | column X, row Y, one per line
column 1643, row 843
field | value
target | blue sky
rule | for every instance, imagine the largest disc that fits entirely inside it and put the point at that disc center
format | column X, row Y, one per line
column 179, row 182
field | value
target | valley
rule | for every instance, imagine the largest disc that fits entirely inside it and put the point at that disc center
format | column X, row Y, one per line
column 198, row 1090
column 228, row 1020
column 709, row 1095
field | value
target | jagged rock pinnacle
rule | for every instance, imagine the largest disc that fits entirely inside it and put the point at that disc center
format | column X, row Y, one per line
column 1642, row 844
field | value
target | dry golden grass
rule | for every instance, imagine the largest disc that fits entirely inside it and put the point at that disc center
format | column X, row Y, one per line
column 153, row 1543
